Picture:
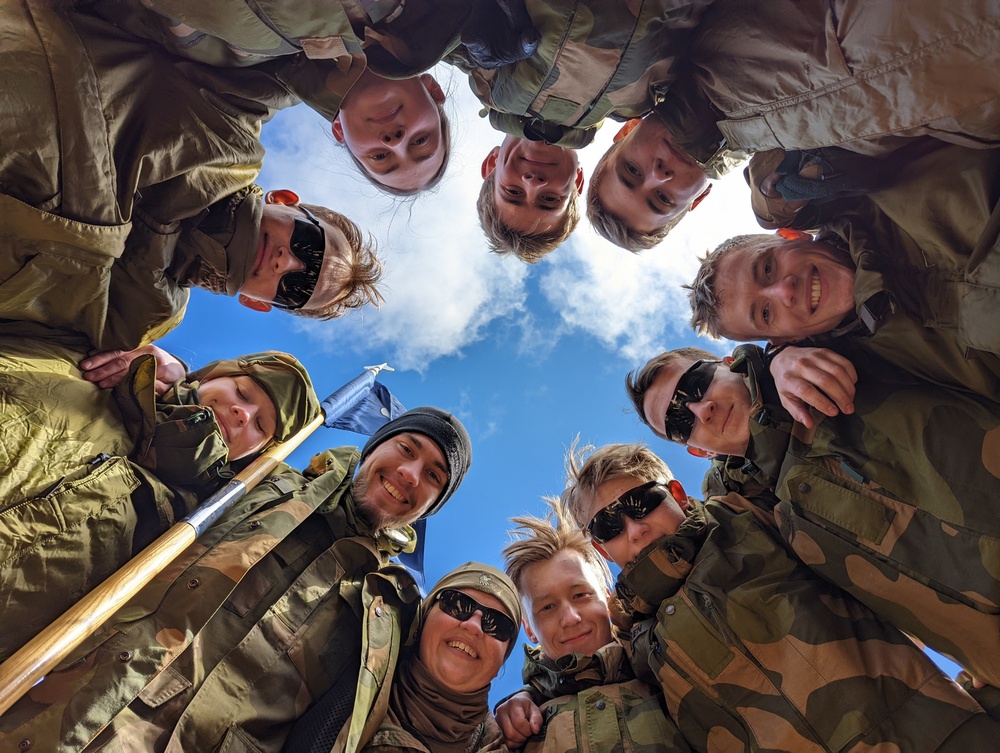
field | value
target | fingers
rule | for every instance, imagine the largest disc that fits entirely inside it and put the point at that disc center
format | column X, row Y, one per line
column 814, row 377
column 106, row 368
column 519, row 718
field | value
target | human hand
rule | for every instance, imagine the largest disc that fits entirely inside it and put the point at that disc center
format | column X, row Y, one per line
column 107, row 368
column 814, row 377
column 499, row 33
column 519, row 718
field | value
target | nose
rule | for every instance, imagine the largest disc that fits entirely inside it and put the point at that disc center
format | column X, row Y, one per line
column 410, row 472
column 286, row 261
column 241, row 414
column 570, row 616
column 635, row 530
column 661, row 170
column 703, row 410
column 475, row 623
column 393, row 135
column 533, row 175
column 782, row 291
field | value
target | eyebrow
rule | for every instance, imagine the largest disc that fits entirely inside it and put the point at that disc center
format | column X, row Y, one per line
column 420, row 444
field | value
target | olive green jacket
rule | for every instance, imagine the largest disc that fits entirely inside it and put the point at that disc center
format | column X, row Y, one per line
column 595, row 703
column 755, row 653
column 86, row 481
column 854, row 74
column 893, row 503
column 233, row 641
column 594, row 59
column 389, row 738
column 105, row 192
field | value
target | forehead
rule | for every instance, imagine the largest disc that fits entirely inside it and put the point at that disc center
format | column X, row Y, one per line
column 522, row 217
column 565, row 569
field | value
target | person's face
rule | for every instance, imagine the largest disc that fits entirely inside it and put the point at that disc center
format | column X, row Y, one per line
column 648, row 179
column 534, row 183
column 459, row 654
column 636, row 534
column 783, row 291
column 275, row 258
column 244, row 411
column 566, row 605
column 400, row 480
column 394, row 129
column 721, row 419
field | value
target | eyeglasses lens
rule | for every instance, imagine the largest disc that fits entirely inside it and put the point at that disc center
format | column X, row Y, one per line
column 691, row 388
column 461, row 606
column 636, row 504
column 308, row 243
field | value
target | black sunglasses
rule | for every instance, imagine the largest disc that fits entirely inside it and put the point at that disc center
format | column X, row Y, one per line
column 308, row 243
column 636, row 503
column 691, row 388
column 461, row 606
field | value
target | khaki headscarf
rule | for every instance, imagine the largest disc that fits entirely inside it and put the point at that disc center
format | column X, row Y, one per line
column 282, row 377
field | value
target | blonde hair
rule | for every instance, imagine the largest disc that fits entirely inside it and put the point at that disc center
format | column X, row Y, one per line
column 540, row 539
column 528, row 247
column 364, row 270
column 588, row 468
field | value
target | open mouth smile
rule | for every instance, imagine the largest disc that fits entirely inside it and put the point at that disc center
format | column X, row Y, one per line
column 464, row 648
column 815, row 290
column 394, row 492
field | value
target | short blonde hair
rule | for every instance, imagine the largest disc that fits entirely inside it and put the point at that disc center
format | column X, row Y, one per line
column 540, row 539
column 588, row 468
column 364, row 271
column 613, row 228
column 528, row 247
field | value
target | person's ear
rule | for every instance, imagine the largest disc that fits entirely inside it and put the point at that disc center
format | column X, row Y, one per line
column 433, row 88
column 282, row 196
column 727, row 360
column 254, row 304
column 793, row 235
column 626, row 129
column 678, row 493
column 701, row 197
column 490, row 163
column 700, row 453
column 528, row 631
column 579, row 180
column 338, row 130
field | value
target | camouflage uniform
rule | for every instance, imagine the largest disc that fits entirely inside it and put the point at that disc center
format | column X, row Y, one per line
column 87, row 481
column 392, row 739
column 754, row 653
column 230, row 644
column 893, row 503
column 596, row 703
column 804, row 75
column 595, row 59
column 104, row 194
column 311, row 46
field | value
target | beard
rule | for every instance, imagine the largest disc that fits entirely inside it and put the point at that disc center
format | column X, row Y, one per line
column 368, row 510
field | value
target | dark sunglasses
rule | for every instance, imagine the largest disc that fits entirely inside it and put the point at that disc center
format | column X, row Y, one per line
column 636, row 503
column 461, row 606
column 691, row 388
column 308, row 243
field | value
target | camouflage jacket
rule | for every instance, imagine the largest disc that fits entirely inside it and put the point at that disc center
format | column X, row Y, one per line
column 234, row 640
column 927, row 284
column 892, row 503
column 316, row 49
column 595, row 59
column 595, row 703
column 389, row 738
column 98, row 195
column 804, row 75
column 755, row 653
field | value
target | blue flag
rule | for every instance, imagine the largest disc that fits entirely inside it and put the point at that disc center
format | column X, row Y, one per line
column 377, row 408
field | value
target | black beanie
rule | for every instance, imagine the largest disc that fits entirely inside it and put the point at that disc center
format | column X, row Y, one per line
column 447, row 433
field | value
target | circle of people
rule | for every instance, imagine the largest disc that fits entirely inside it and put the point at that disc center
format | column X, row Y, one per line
column 847, row 517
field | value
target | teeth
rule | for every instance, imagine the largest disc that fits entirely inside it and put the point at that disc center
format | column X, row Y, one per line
column 393, row 491
column 464, row 647
column 816, row 288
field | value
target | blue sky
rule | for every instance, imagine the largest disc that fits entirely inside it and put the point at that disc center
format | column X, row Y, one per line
column 527, row 357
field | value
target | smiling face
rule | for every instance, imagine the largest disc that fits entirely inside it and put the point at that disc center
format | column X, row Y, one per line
column 534, row 183
column 400, row 479
column 566, row 605
column 244, row 411
column 721, row 419
column 459, row 654
column 275, row 258
column 647, row 179
column 783, row 290
column 394, row 129
column 636, row 534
